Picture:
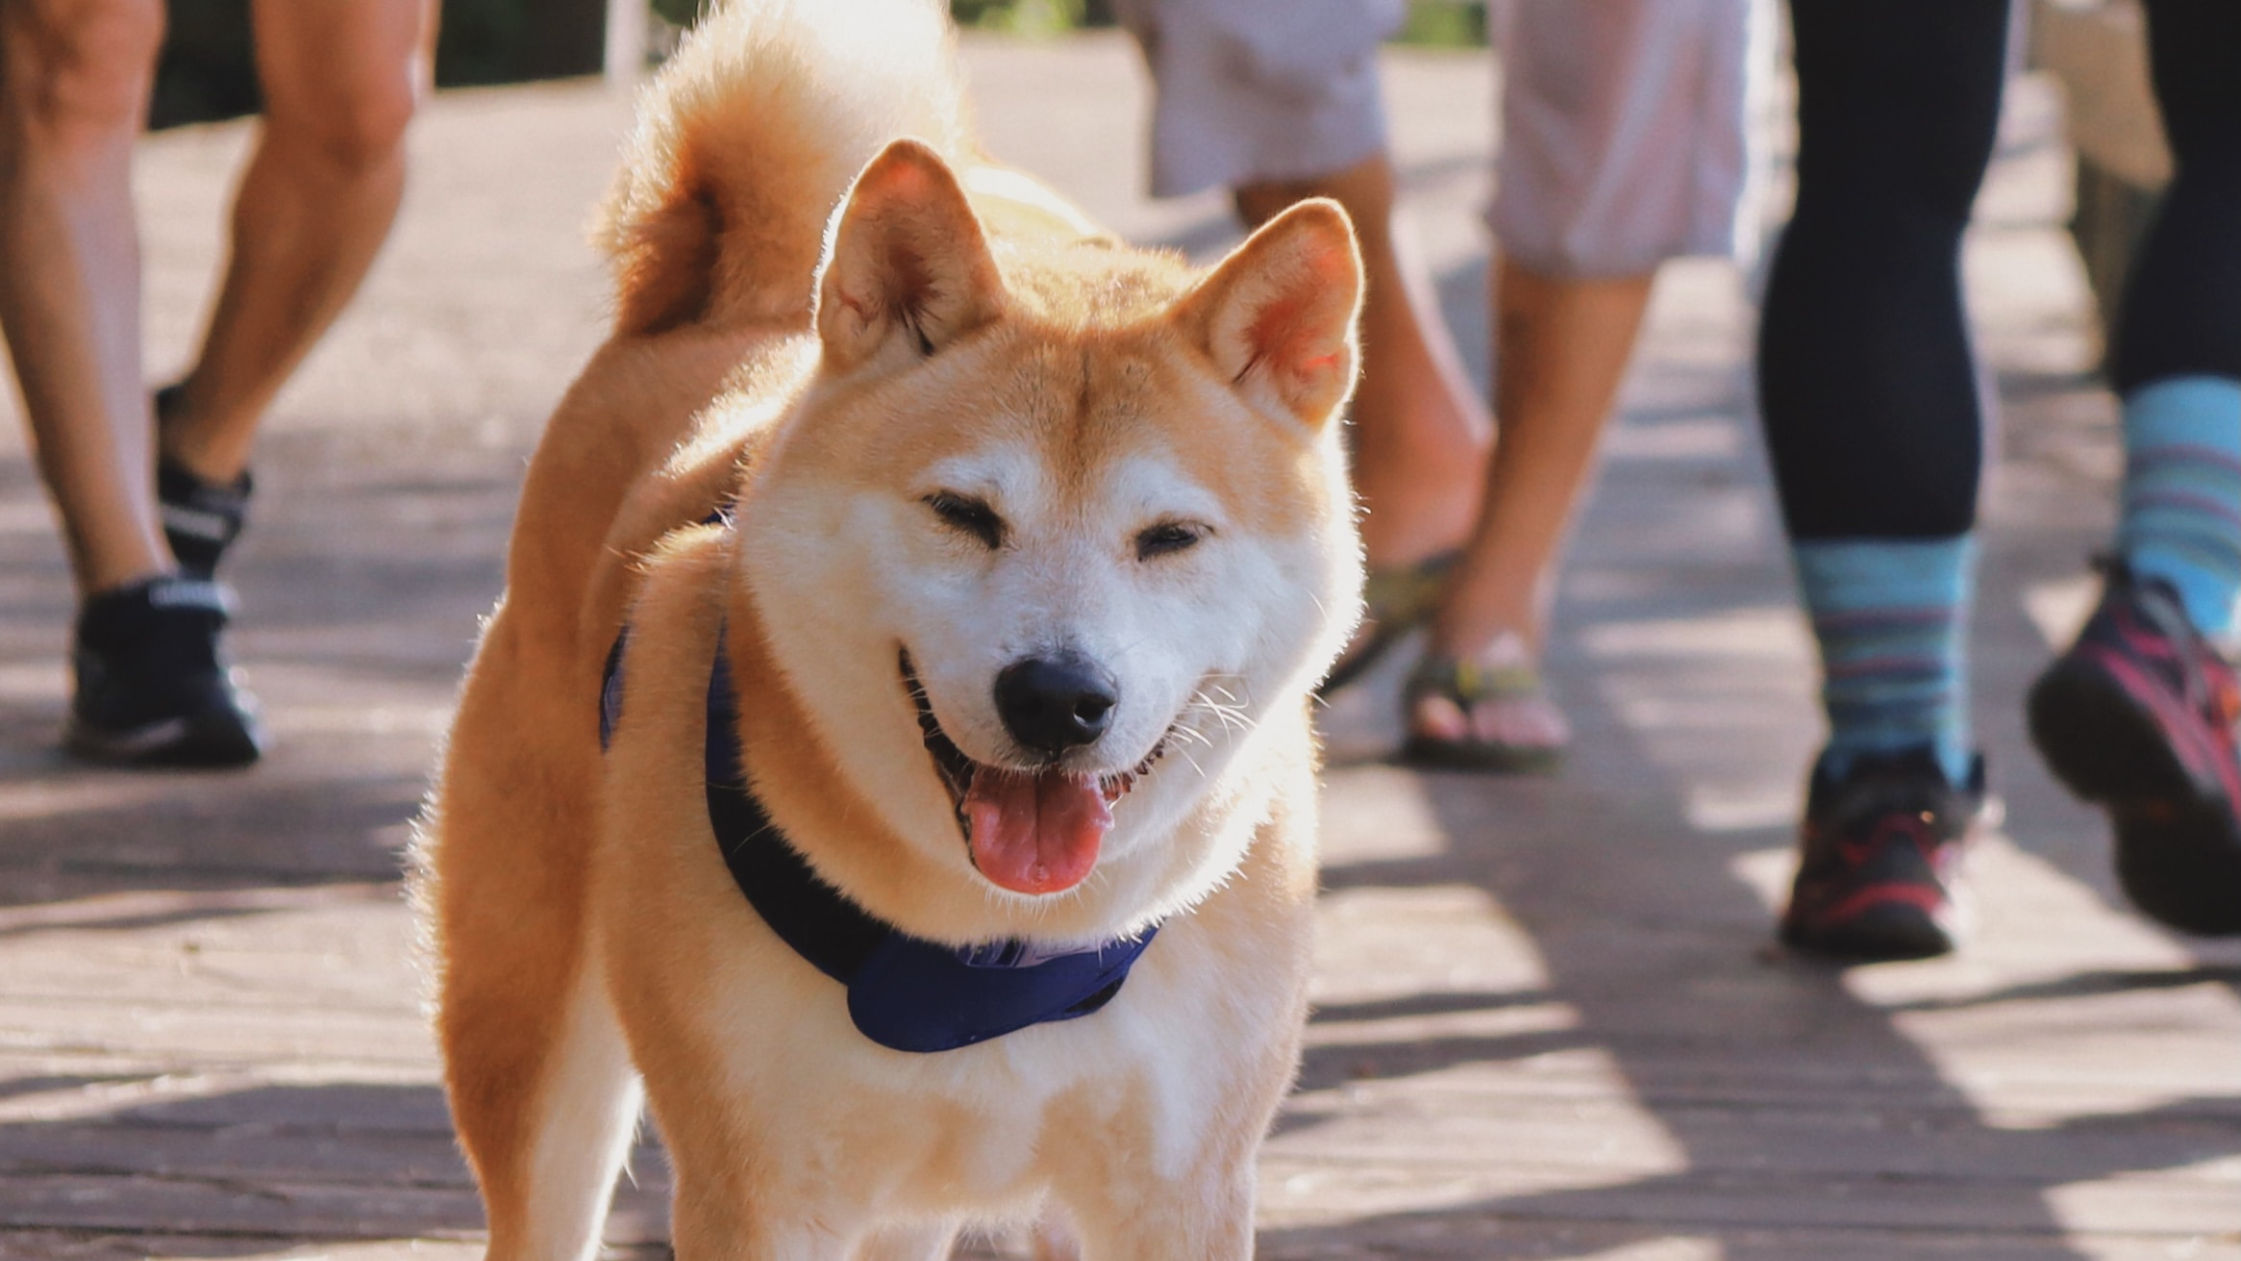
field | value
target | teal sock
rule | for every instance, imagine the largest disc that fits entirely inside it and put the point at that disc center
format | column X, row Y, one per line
column 2182, row 492
column 1891, row 616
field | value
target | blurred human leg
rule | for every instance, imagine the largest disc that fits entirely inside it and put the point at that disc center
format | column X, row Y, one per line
column 1623, row 145
column 2178, row 340
column 2138, row 714
column 74, row 82
column 1561, row 348
column 151, row 684
column 341, row 80
column 1869, row 397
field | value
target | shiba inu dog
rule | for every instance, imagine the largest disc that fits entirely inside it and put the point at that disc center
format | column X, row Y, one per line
column 946, row 583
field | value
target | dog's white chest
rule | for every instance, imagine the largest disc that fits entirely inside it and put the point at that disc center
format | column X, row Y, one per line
column 980, row 1123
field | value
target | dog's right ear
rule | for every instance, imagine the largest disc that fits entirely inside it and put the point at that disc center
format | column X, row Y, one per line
column 1277, row 317
column 908, row 269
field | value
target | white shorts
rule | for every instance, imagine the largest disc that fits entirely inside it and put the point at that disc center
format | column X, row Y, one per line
column 1623, row 129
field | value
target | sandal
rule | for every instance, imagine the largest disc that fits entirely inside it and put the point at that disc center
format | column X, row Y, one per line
column 1395, row 601
column 1467, row 684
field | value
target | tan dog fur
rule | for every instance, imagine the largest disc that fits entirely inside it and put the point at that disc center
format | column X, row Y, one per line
column 583, row 929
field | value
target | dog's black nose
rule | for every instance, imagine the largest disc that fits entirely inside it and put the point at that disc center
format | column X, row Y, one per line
column 1052, row 704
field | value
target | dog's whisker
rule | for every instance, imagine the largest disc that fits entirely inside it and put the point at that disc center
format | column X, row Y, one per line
column 1193, row 732
column 1232, row 715
column 1186, row 756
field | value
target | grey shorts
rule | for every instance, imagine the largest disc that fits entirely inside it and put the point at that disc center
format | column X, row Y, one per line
column 1623, row 122
column 1247, row 91
column 1625, row 128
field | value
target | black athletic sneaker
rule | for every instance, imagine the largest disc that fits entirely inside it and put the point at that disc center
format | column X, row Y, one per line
column 1878, row 856
column 200, row 518
column 153, row 688
column 2138, row 716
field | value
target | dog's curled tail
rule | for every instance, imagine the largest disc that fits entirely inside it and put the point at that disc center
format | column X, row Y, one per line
column 747, row 140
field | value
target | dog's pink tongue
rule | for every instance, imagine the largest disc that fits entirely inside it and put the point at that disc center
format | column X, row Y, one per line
column 1035, row 833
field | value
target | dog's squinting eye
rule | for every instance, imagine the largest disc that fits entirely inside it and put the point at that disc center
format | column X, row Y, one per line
column 973, row 516
column 1167, row 538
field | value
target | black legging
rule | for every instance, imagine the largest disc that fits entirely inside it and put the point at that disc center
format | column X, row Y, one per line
column 2182, row 311
column 1866, row 384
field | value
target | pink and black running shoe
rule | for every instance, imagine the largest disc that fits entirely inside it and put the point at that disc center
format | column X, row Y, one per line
column 1879, row 858
column 2138, row 717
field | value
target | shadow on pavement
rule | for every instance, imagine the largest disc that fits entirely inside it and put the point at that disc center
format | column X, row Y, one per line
column 248, row 1171
column 1804, row 1120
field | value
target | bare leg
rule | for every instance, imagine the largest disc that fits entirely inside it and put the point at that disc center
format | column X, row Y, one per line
column 341, row 79
column 1561, row 347
column 1420, row 434
column 74, row 80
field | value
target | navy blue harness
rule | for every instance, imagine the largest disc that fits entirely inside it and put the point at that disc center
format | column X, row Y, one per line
column 904, row 992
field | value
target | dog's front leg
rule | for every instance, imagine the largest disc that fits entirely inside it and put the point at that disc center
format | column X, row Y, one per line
column 725, row 1223
column 1205, row 1219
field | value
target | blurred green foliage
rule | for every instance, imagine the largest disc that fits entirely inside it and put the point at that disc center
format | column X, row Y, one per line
column 1017, row 17
column 208, row 72
column 679, row 12
column 480, row 40
column 1436, row 23
column 1021, row 17
column 1444, row 24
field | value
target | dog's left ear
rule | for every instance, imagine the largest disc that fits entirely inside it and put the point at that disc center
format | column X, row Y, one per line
column 908, row 269
column 1277, row 316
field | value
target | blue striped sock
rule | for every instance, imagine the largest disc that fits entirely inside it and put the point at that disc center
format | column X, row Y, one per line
column 1891, row 616
column 2182, row 492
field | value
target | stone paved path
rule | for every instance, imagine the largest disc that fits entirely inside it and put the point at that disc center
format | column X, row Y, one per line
column 1550, row 1024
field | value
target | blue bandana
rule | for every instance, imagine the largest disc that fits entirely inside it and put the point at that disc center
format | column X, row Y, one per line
column 904, row 992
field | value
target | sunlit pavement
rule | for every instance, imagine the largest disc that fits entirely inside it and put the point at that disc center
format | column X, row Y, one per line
column 1551, row 1023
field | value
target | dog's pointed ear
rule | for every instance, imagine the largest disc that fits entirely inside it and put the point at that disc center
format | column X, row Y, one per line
column 1277, row 317
column 908, row 265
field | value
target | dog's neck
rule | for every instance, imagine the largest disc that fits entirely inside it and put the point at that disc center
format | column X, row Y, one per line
column 904, row 992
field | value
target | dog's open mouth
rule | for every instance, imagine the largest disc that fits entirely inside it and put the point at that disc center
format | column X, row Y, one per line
column 1030, row 831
